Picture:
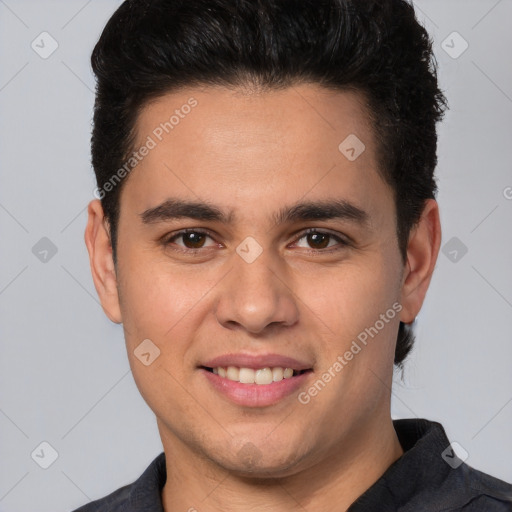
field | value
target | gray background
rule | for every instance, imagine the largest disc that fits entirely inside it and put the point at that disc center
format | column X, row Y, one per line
column 64, row 373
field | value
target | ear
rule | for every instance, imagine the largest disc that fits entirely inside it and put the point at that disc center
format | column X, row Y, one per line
column 422, row 252
column 97, row 240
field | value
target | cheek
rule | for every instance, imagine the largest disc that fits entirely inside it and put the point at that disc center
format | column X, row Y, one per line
column 157, row 305
column 155, row 299
column 352, row 297
column 355, row 311
column 356, row 326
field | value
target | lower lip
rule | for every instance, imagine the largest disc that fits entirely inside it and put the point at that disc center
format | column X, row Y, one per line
column 256, row 395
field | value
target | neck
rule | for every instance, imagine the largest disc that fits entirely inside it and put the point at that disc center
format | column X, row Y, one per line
column 332, row 483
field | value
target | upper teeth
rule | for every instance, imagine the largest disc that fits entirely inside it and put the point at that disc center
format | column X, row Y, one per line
column 251, row 376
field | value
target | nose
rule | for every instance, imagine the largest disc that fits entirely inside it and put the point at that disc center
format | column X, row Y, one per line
column 256, row 296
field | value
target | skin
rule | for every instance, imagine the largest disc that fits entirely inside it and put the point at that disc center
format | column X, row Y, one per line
column 235, row 148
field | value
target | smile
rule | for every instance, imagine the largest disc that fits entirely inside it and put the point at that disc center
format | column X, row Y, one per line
column 259, row 376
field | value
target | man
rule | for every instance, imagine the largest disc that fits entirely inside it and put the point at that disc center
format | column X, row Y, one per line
column 266, row 232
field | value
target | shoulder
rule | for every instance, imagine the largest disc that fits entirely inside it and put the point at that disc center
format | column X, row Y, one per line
column 484, row 492
column 430, row 476
column 143, row 494
column 114, row 502
column 465, row 489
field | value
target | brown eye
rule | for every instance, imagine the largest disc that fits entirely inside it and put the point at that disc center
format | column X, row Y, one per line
column 190, row 239
column 193, row 240
column 318, row 240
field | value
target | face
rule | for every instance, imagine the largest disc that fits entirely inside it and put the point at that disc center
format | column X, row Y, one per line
column 248, row 239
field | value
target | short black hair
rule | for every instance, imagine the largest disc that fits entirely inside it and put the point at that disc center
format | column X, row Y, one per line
column 376, row 47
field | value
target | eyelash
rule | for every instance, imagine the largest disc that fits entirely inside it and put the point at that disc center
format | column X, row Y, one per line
column 342, row 242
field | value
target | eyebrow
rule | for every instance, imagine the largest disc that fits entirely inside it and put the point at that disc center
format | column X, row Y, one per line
column 172, row 209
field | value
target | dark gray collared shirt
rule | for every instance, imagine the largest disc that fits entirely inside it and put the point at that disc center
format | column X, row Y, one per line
column 427, row 478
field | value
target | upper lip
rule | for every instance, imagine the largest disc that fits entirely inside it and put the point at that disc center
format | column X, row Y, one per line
column 255, row 361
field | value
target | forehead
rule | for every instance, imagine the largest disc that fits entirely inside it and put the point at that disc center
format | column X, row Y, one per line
column 237, row 146
column 255, row 115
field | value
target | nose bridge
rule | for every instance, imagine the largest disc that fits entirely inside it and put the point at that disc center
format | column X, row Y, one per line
column 255, row 293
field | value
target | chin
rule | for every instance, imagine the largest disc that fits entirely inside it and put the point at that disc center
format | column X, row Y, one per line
column 251, row 462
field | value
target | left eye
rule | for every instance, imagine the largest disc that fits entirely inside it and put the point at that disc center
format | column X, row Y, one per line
column 321, row 239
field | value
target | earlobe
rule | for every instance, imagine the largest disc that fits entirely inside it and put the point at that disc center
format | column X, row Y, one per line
column 97, row 240
column 422, row 252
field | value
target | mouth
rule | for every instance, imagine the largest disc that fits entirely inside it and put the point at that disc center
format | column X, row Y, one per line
column 258, row 376
column 256, row 380
column 257, row 387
